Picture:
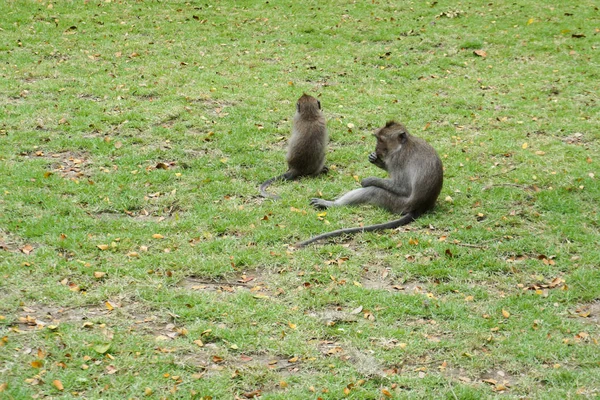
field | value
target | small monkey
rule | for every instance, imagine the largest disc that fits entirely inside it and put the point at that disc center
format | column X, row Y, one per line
column 306, row 149
column 414, row 183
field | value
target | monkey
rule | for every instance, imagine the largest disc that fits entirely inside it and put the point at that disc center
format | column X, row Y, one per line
column 307, row 145
column 414, row 184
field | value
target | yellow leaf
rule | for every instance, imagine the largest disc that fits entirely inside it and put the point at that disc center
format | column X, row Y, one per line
column 98, row 274
column 103, row 246
column 36, row 364
column 524, row 145
column 283, row 384
column 3, row 387
column 469, row 298
column 293, row 326
column 505, row 313
column 386, row 393
column 109, row 306
column 157, row 236
column 199, row 343
column 530, row 21
column 58, row 384
column 147, row 391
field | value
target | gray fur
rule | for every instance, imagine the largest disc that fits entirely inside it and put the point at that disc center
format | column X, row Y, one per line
column 414, row 184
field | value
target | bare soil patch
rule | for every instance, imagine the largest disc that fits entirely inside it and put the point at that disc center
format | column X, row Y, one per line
column 255, row 282
column 589, row 313
column 68, row 164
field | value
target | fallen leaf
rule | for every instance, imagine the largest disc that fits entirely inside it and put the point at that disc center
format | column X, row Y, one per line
column 102, row 246
column 480, row 53
column 157, row 236
column 102, row 348
column 505, row 313
column 58, row 384
column 27, row 249
column 98, row 274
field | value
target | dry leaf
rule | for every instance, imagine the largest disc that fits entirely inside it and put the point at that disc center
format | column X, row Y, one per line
column 505, row 313
column 102, row 246
column 27, row 249
column 58, row 384
column 480, row 53
column 98, row 274
column 157, row 236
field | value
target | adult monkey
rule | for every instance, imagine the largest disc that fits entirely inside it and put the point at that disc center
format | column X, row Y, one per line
column 414, row 184
column 307, row 146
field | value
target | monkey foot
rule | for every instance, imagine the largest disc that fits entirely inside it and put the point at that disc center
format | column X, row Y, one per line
column 320, row 203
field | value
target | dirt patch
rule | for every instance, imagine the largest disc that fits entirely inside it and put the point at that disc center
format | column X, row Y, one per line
column 379, row 279
column 335, row 315
column 210, row 360
column 252, row 282
column 363, row 361
column 38, row 316
column 68, row 164
column 589, row 313
column 14, row 244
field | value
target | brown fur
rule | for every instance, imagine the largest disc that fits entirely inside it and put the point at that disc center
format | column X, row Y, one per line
column 307, row 145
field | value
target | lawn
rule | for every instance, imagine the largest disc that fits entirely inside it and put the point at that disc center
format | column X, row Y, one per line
column 137, row 259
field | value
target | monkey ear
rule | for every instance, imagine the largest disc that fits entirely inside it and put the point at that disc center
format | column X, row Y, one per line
column 402, row 136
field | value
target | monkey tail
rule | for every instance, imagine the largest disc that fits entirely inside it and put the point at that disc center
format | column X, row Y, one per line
column 405, row 220
column 265, row 185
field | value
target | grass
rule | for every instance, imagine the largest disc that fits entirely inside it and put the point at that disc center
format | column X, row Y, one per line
column 138, row 261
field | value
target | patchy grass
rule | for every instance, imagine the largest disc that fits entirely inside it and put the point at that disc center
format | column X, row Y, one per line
column 138, row 260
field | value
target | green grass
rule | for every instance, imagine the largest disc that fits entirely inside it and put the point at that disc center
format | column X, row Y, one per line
column 494, row 292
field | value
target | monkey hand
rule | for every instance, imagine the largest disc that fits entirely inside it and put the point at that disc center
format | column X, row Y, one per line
column 370, row 181
column 319, row 203
column 374, row 159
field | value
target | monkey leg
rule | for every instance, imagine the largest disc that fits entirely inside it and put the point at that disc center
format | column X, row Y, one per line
column 368, row 195
column 387, row 185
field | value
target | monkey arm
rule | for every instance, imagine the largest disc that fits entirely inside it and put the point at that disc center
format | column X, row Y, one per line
column 375, row 160
column 386, row 184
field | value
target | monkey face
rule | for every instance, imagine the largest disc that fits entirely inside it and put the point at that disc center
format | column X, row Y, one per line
column 389, row 138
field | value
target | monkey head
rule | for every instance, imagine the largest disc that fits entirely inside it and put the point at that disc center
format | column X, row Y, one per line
column 390, row 138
